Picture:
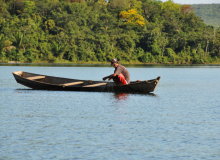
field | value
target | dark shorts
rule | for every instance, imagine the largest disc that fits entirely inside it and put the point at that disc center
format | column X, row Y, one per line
column 120, row 80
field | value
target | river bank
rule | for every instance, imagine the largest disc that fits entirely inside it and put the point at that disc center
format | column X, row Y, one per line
column 105, row 64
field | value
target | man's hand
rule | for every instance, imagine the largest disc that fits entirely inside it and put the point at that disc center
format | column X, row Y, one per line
column 109, row 77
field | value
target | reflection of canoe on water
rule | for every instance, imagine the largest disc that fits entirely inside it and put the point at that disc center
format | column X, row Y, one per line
column 43, row 82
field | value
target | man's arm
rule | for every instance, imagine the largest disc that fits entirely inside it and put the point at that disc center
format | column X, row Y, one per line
column 109, row 77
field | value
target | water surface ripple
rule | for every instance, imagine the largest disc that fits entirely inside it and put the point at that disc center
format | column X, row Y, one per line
column 179, row 121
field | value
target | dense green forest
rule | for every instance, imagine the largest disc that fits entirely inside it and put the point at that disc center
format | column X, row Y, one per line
column 93, row 31
column 210, row 13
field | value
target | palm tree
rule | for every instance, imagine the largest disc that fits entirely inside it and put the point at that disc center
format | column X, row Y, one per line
column 19, row 40
column 58, row 49
column 5, row 45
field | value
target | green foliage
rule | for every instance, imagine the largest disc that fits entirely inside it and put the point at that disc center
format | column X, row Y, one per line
column 134, row 31
column 210, row 13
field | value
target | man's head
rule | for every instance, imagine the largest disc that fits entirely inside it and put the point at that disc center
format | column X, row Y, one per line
column 114, row 62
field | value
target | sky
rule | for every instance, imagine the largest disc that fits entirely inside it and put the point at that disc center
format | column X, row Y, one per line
column 194, row 1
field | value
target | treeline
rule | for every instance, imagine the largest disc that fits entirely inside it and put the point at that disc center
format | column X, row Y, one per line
column 210, row 13
column 93, row 31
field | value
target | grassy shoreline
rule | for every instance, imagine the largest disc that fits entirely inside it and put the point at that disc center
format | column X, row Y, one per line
column 42, row 63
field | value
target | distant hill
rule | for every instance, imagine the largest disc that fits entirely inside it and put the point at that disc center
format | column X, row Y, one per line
column 210, row 13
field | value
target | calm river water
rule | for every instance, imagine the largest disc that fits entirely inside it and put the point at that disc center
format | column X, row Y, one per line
column 181, row 120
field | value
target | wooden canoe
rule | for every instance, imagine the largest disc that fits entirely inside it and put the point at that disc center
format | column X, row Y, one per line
column 43, row 82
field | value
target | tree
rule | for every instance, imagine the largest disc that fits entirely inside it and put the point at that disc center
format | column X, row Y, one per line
column 186, row 8
column 118, row 4
column 142, row 31
column 132, row 16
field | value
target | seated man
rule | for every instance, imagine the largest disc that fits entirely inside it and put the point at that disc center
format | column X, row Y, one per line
column 121, row 75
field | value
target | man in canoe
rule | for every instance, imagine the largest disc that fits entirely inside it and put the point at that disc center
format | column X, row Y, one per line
column 121, row 75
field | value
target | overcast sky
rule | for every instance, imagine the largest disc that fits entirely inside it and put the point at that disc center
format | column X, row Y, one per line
column 194, row 1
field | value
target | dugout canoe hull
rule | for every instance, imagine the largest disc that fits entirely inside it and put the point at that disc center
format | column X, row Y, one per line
column 43, row 82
